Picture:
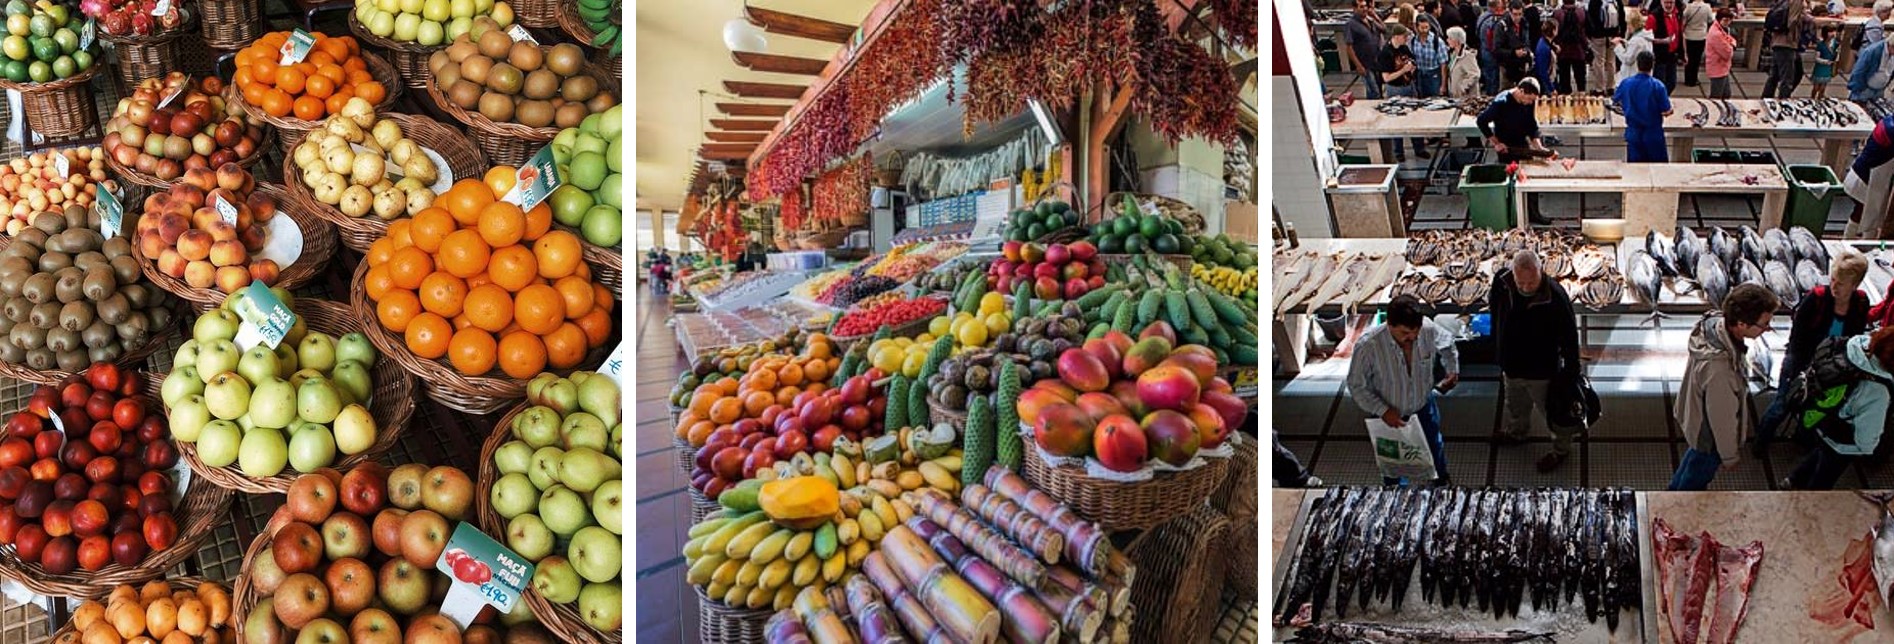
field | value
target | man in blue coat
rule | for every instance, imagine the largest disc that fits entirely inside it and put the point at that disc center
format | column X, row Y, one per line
column 1645, row 103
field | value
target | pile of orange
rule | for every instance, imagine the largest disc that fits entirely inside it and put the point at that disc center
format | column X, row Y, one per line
column 483, row 284
column 770, row 387
column 325, row 80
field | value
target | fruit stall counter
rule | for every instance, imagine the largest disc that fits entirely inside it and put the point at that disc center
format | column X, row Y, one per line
column 701, row 333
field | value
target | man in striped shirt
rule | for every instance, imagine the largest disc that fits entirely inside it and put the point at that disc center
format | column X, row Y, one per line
column 1391, row 374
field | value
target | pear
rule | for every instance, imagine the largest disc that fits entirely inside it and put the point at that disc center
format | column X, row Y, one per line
column 584, row 430
column 514, row 457
column 296, row 331
column 257, row 364
column 538, row 426
column 273, row 404
column 352, row 378
column 181, row 382
column 316, row 351
column 563, row 510
column 354, row 430
column 546, row 464
column 602, row 605
column 583, row 469
column 227, row 395
column 317, row 401
column 245, row 423
column 537, row 385
column 187, row 417
column 355, row 346
column 599, row 396
column 561, row 395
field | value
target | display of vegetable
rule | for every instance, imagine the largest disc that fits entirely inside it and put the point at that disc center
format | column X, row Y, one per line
column 1157, row 291
column 1133, row 232
column 601, row 16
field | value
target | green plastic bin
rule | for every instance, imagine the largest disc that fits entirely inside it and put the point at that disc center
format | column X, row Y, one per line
column 1489, row 192
column 1331, row 55
column 1812, row 191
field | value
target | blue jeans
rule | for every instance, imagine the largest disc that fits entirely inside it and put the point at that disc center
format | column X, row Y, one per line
column 1489, row 74
column 1646, row 147
column 1430, row 427
column 1428, row 83
column 1409, row 90
column 1777, row 413
column 1371, row 83
column 1695, row 472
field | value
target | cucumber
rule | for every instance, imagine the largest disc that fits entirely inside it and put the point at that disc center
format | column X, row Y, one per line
column 980, row 441
column 1225, row 309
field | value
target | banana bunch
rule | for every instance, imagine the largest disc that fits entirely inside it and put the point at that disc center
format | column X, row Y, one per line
column 601, row 16
column 1228, row 281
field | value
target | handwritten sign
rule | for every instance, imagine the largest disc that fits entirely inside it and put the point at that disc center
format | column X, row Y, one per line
column 482, row 568
column 225, row 210
column 536, row 180
column 62, row 165
column 294, row 51
column 519, row 34
column 111, row 212
column 266, row 320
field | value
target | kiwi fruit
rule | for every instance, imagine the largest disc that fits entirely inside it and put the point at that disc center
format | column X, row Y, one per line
column 98, row 335
column 525, row 56
column 39, row 288
column 534, row 114
column 137, row 294
column 45, row 316
column 42, row 358
column 70, row 286
column 53, row 260
column 16, row 309
column 33, row 236
column 505, row 79
column 11, row 353
column 565, row 59
column 541, row 84
column 125, row 268
column 110, row 353
column 464, row 93
column 495, row 44
column 76, row 316
column 89, row 260
column 50, row 223
column 496, row 107
column 475, row 69
column 63, row 341
column 579, row 88
column 568, row 115
column 99, row 283
column 76, row 218
column 76, row 360
column 115, row 309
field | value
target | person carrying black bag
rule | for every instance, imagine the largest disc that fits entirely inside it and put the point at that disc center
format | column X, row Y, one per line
column 1536, row 333
column 1843, row 401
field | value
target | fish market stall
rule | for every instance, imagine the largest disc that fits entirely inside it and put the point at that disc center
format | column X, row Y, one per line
column 1750, row 25
column 1381, row 122
column 1835, row 123
column 1651, row 190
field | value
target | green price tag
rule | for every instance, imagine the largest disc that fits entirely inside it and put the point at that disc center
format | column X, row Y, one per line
column 294, row 51
column 111, row 212
column 265, row 319
column 474, row 560
column 536, row 180
column 88, row 34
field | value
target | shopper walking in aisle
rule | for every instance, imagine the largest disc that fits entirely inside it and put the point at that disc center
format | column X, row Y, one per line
column 1719, row 51
column 1398, row 78
column 1874, row 29
column 1391, row 374
column 1850, row 428
column 1511, row 127
column 1515, row 45
column 1536, row 336
column 1463, row 66
column 1786, row 26
column 1827, row 51
column 1874, row 66
column 1838, row 309
column 1491, row 30
column 1363, row 37
column 1713, row 399
column 1697, row 18
column 1288, row 469
column 1645, row 104
column 1869, row 182
column 1626, row 49
column 1604, row 24
column 1574, row 47
column 1667, row 37
column 1545, row 58
column 1430, row 60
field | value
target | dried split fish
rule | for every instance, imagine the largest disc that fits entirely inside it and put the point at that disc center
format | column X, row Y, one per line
column 1374, row 280
column 1350, row 274
column 1469, row 293
column 1320, row 268
column 1460, row 268
column 1592, row 263
column 1437, row 290
column 1601, row 293
column 1409, row 284
column 1556, row 264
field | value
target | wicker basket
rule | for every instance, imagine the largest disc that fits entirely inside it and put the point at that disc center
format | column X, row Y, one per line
column 132, row 175
column 1236, row 499
column 701, row 506
column 318, row 246
column 148, row 56
column 1118, row 505
column 358, row 233
column 1176, row 209
column 69, row 632
column 409, row 59
column 479, row 395
column 1180, row 577
column 686, row 456
column 202, row 507
column 230, row 25
column 59, row 108
column 392, row 407
column 291, row 130
column 134, row 359
column 562, row 619
column 718, row 623
column 608, row 263
column 940, row 413
column 509, row 144
column 536, row 13
column 574, row 26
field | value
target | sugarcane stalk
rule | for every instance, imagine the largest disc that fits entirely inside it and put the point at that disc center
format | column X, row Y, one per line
column 825, row 627
column 991, row 546
column 909, row 610
column 1118, row 567
column 1023, row 618
column 1079, row 604
column 785, row 628
column 873, row 619
column 1086, row 545
column 1015, row 521
column 956, row 605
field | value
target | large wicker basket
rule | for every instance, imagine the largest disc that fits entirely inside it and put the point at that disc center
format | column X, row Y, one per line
column 1118, row 505
column 478, row 395
column 701, row 506
column 69, row 632
column 131, row 360
column 1180, row 577
column 59, row 108
column 392, row 406
column 358, row 233
column 562, row 619
column 508, row 144
column 409, row 58
column 202, row 507
column 718, row 623
column 148, row 56
column 536, row 13
column 230, row 25
column 1236, row 499
column 318, row 247
column 132, row 175
column 608, row 263
column 291, row 130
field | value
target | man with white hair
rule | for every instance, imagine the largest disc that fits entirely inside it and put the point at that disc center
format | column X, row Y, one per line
column 1536, row 335
column 1875, row 30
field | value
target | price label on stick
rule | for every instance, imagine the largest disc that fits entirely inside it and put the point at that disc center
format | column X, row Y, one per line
column 297, row 48
column 615, row 364
column 163, row 7
column 111, row 212
column 519, row 34
column 172, row 95
column 62, row 165
column 266, row 320
column 87, row 34
column 535, row 180
column 226, row 210
column 484, row 573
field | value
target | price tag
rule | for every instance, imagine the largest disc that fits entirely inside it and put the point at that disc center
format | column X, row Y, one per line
column 483, row 571
column 1245, row 384
column 519, row 34
column 58, row 425
column 164, row 7
column 265, row 319
column 87, row 34
column 294, row 51
column 615, row 365
column 111, row 212
column 226, row 210
column 62, row 165
column 536, row 180
column 172, row 95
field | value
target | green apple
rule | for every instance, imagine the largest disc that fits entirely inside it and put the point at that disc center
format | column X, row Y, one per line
column 407, row 26
column 563, row 510
column 584, row 430
column 227, row 395
column 513, row 457
column 458, row 26
column 599, row 397
column 363, row 12
column 611, row 193
column 431, row 33
column 601, row 606
column 181, row 382
column 263, row 452
column 381, row 24
column 546, row 464
column 611, row 123
column 529, row 537
column 538, row 426
column 286, row 362
column 317, row 401
column 316, row 351
column 216, row 324
column 583, row 469
column 352, row 377
column 355, row 430
column 186, row 355
column 411, row 6
column 187, row 417
column 482, row 7
column 216, row 356
column 436, row 10
column 303, row 375
column 603, row 226
column 257, row 364
column 569, row 204
column 514, row 495
column 273, row 404
column 219, row 443
column 557, row 580
column 608, row 505
column 309, row 450
column 388, row 6
column 355, row 346
column 461, row 9
column 595, row 553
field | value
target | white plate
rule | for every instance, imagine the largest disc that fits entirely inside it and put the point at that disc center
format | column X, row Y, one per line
column 283, row 240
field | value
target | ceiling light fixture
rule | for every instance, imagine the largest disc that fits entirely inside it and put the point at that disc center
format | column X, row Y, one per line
column 741, row 36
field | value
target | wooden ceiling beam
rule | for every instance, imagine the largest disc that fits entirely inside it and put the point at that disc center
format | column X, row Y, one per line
column 743, row 125
column 779, row 64
column 749, row 89
column 728, row 147
column 710, row 155
column 736, row 137
column 752, row 109
column 789, row 24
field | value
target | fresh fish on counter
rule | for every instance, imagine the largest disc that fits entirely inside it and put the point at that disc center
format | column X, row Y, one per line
column 1750, row 244
column 1724, row 246
column 1808, row 275
column 1641, row 271
column 1735, row 573
column 1686, row 247
column 1662, row 251
column 1710, row 275
column 1808, row 246
column 1883, row 547
column 1333, row 633
column 1776, row 246
column 1777, row 277
column 1745, row 271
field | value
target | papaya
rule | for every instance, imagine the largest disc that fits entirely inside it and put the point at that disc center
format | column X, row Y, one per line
column 800, row 503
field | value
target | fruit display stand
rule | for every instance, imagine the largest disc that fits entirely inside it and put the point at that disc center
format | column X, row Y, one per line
column 291, row 130
column 392, row 406
column 136, row 357
column 58, row 109
column 1121, row 505
column 70, row 632
column 749, row 289
column 719, row 623
column 408, row 58
column 318, row 245
column 149, row 56
column 151, row 90
column 358, row 233
column 506, row 143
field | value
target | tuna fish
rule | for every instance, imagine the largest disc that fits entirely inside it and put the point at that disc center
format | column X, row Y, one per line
column 1808, row 246
column 1687, row 246
column 1660, row 249
column 1750, row 244
column 1747, row 270
column 1776, row 247
column 1777, row 277
column 1641, row 270
column 1808, row 275
column 1710, row 275
column 1724, row 246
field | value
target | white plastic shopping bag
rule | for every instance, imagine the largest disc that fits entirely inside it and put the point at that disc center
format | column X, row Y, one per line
column 1401, row 451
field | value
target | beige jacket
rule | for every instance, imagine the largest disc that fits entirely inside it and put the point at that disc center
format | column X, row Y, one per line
column 1713, row 400
column 1800, row 21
